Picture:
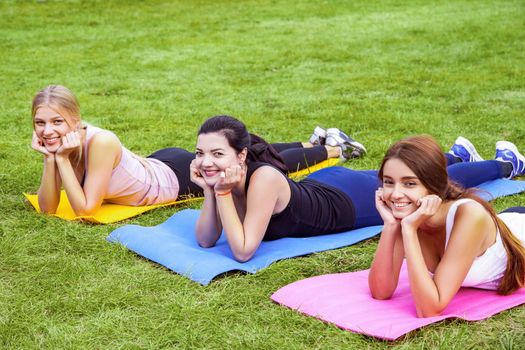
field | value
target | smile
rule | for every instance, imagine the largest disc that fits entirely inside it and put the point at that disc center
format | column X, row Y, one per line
column 51, row 140
column 401, row 204
column 210, row 173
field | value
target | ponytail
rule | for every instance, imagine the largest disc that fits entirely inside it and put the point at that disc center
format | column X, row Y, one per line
column 514, row 276
column 261, row 151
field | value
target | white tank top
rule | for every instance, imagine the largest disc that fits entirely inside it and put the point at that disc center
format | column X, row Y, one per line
column 487, row 269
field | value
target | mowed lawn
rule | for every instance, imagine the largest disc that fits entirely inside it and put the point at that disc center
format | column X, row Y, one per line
column 152, row 71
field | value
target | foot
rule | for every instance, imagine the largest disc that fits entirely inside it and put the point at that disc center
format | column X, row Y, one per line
column 508, row 152
column 465, row 150
column 318, row 137
column 350, row 148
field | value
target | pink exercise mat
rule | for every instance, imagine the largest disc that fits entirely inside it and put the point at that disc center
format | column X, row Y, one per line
column 344, row 300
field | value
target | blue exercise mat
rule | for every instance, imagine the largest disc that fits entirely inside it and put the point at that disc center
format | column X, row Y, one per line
column 500, row 188
column 173, row 245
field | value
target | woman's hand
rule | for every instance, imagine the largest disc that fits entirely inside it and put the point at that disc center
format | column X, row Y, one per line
column 196, row 177
column 229, row 178
column 383, row 209
column 70, row 142
column 38, row 146
column 428, row 206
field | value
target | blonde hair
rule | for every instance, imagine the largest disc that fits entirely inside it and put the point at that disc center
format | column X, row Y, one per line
column 60, row 99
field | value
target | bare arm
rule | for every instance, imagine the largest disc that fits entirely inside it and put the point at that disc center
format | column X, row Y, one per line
column 433, row 294
column 103, row 151
column 263, row 194
column 384, row 272
column 49, row 190
column 208, row 229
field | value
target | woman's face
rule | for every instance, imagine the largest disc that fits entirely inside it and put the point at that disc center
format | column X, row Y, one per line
column 401, row 188
column 214, row 155
column 50, row 126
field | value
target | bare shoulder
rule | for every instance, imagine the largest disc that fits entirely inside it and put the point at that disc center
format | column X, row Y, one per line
column 472, row 220
column 105, row 146
column 472, row 211
column 268, row 174
column 105, row 139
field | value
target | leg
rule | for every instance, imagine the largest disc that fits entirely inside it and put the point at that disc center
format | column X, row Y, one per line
column 520, row 210
column 301, row 158
column 473, row 174
column 281, row 146
column 179, row 161
column 452, row 159
column 359, row 186
column 298, row 156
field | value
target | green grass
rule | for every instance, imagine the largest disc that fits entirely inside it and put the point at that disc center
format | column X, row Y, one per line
column 152, row 71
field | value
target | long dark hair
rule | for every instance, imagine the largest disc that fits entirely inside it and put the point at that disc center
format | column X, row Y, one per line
column 238, row 138
column 424, row 157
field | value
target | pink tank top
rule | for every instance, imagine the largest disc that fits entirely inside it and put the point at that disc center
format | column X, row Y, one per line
column 133, row 183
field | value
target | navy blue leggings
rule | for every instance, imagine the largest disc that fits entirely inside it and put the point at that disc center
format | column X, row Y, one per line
column 360, row 185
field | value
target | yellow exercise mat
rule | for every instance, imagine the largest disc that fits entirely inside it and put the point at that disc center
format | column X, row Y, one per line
column 107, row 214
column 324, row 164
column 110, row 213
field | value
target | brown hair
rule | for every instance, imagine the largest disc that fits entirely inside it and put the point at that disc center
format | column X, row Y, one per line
column 424, row 157
column 60, row 99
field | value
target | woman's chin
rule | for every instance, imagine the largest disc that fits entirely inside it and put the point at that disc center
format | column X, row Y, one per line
column 52, row 149
column 210, row 182
column 399, row 215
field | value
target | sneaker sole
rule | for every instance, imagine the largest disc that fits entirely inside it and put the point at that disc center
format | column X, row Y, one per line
column 336, row 140
column 357, row 146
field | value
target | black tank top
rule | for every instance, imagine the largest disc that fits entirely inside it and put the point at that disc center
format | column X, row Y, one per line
column 315, row 208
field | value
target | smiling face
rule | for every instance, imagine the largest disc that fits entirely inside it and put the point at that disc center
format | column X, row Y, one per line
column 401, row 188
column 214, row 155
column 50, row 126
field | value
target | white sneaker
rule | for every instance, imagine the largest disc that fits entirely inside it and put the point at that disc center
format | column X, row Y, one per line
column 465, row 150
column 508, row 152
column 318, row 137
column 350, row 147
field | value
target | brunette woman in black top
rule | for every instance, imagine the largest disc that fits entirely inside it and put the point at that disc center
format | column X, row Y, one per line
column 247, row 193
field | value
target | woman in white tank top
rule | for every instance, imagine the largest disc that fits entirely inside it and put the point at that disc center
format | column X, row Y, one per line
column 448, row 236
